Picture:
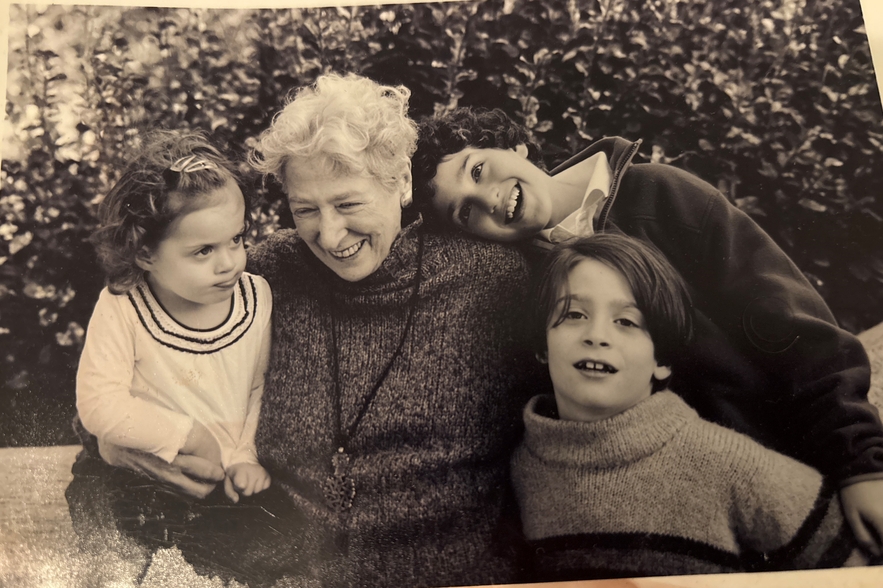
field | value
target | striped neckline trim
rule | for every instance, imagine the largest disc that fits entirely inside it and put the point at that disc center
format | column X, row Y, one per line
column 169, row 332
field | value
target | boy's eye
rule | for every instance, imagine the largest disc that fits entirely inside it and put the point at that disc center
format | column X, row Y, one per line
column 476, row 172
column 204, row 251
column 238, row 239
column 464, row 213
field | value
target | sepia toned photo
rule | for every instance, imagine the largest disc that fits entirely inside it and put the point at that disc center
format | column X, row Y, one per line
column 462, row 293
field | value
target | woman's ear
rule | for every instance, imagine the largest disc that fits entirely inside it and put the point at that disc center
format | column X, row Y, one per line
column 543, row 356
column 521, row 149
column 406, row 188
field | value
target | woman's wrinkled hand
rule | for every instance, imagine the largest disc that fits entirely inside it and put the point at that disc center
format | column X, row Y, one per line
column 187, row 474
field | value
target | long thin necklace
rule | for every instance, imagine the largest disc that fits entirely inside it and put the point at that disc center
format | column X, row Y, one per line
column 339, row 487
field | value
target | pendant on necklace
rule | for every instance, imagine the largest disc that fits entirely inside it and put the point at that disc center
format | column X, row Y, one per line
column 339, row 488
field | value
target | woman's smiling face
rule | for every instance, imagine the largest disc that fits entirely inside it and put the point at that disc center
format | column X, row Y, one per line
column 348, row 222
column 493, row 193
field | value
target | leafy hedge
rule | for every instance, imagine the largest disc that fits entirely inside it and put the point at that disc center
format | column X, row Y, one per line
column 773, row 101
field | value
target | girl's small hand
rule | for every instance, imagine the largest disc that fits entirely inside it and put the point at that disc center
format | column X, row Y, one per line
column 246, row 479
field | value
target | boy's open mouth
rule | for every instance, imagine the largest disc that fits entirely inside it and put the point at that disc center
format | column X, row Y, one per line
column 514, row 204
column 595, row 366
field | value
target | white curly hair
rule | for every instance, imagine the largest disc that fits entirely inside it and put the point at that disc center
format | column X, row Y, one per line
column 348, row 124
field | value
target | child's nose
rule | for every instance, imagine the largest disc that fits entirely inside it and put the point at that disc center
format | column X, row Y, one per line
column 596, row 334
column 490, row 197
column 226, row 261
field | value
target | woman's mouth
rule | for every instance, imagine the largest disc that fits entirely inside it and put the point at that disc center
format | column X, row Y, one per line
column 595, row 367
column 349, row 251
column 515, row 204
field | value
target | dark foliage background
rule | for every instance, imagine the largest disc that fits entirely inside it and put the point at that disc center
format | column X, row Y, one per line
column 773, row 101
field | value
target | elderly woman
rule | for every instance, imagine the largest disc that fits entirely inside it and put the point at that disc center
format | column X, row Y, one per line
column 391, row 403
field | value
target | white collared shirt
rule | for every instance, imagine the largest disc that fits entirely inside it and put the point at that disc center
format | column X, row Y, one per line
column 580, row 223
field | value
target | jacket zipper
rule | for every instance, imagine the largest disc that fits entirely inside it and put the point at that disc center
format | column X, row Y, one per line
column 614, row 185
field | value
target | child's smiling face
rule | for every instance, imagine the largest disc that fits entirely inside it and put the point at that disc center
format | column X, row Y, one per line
column 493, row 193
column 601, row 357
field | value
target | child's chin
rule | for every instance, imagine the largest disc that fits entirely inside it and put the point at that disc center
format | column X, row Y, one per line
column 520, row 233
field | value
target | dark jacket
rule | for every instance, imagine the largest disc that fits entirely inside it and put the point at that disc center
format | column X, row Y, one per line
column 768, row 358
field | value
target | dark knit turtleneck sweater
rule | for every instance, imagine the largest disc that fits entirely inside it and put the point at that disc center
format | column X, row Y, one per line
column 656, row 490
column 430, row 456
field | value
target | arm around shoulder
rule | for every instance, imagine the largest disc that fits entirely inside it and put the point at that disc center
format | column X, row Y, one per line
column 814, row 372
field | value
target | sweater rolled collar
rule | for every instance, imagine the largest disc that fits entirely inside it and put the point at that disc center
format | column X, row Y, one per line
column 623, row 438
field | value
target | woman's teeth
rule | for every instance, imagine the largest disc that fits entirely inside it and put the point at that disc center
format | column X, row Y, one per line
column 349, row 251
column 595, row 366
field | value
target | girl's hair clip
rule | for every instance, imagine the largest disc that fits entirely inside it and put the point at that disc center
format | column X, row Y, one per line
column 191, row 163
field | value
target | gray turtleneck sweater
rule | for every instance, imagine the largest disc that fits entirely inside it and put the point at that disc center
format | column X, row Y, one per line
column 655, row 490
column 430, row 455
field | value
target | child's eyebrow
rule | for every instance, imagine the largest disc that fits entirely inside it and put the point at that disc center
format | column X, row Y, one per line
column 200, row 244
column 618, row 302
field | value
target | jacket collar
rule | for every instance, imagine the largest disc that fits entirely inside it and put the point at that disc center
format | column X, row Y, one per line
column 620, row 153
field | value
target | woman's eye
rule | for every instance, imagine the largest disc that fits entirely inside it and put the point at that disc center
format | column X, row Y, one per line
column 573, row 315
column 349, row 205
column 302, row 212
column 627, row 322
column 464, row 213
column 476, row 172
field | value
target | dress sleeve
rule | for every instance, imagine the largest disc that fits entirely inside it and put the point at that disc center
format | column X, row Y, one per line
column 105, row 403
column 245, row 451
column 815, row 375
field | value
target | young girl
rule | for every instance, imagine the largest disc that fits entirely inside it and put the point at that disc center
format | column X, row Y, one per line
column 616, row 476
column 178, row 342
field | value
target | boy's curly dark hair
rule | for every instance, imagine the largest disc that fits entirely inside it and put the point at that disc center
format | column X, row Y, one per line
column 444, row 135
column 148, row 197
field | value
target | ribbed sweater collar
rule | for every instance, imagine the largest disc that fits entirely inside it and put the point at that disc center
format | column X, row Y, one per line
column 624, row 438
column 397, row 270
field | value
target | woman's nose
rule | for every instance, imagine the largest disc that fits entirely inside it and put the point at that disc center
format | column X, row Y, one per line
column 332, row 229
